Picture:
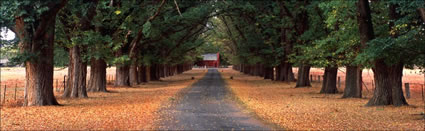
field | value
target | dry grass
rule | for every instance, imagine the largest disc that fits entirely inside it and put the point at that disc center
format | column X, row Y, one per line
column 14, row 76
column 413, row 76
column 304, row 109
column 122, row 108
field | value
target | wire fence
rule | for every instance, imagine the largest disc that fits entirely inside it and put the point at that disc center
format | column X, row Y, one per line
column 411, row 82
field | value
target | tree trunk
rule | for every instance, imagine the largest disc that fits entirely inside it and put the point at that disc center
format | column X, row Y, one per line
column 68, row 88
column 261, row 70
column 365, row 21
column 173, row 70
column 37, row 38
column 353, row 82
column 133, row 75
column 154, row 74
column 122, row 75
column 77, row 72
column 285, row 72
column 141, row 74
column 148, row 73
column 388, row 89
column 329, row 81
column 97, row 82
column 77, row 76
column 278, row 77
column 179, row 69
column 259, row 67
column 254, row 70
column 303, row 76
column 166, row 71
column 268, row 73
column 160, row 70
column 39, row 70
column 422, row 14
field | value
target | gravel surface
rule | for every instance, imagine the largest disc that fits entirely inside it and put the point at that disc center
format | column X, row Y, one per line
column 204, row 106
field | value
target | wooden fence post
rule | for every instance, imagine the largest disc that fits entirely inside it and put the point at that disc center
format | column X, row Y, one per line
column 311, row 78
column 16, row 86
column 4, row 94
column 318, row 78
column 407, row 89
column 57, row 83
column 423, row 98
column 64, row 82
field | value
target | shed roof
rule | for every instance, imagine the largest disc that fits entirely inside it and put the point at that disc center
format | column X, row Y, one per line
column 212, row 56
column 4, row 60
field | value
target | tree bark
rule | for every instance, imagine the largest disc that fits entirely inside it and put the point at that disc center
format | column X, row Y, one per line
column 261, row 70
column 154, row 73
column 303, row 76
column 268, row 73
column 122, row 75
column 365, row 21
column 133, row 75
column 165, row 69
column 68, row 88
column 97, row 82
column 278, row 77
column 329, row 81
column 39, row 40
column 422, row 14
column 160, row 70
column 285, row 72
column 353, row 82
column 148, row 73
column 388, row 89
column 388, row 77
column 142, row 74
column 77, row 77
column 39, row 71
column 77, row 72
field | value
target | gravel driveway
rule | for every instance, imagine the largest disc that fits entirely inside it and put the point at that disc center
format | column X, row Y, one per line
column 204, row 106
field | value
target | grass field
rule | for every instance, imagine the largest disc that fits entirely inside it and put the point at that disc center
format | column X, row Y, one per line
column 13, row 77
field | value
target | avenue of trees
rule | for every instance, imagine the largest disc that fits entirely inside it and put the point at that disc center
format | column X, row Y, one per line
column 386, row 36
column 150, row 39
column 145, row 40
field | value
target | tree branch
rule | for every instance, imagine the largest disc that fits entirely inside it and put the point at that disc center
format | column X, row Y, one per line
column 178, row 9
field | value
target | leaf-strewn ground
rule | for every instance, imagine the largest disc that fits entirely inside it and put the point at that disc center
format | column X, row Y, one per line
column 127, row 108
column 305, row 109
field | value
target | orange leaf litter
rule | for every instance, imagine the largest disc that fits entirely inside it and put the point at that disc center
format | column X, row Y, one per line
column 130, row 108
column 305, row 109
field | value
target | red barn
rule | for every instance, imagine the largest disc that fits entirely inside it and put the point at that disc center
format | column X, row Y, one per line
column 210, row 60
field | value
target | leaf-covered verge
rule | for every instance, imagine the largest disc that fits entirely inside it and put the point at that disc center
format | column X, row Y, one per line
column 121, row 108
column 306, row 109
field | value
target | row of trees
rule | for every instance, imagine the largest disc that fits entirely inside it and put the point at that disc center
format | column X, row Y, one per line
column 162, row 36
column 386, row 36
column 144, row 39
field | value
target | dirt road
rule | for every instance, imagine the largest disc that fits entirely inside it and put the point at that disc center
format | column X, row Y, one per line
column 204, row 106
